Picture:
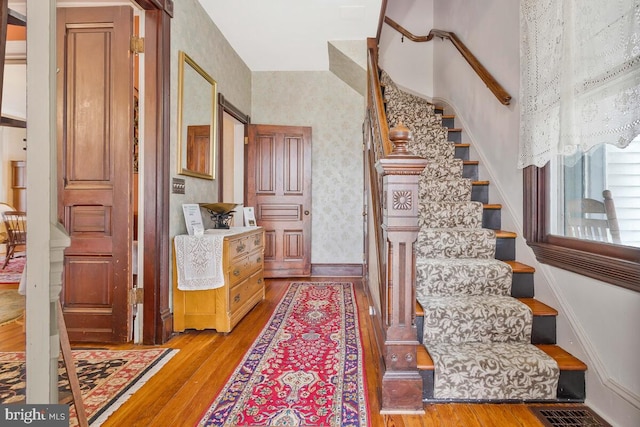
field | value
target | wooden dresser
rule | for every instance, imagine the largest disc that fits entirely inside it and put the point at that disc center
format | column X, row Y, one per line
column 222, row 308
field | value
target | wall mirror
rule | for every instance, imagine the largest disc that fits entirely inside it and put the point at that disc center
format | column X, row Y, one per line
column 196, row 119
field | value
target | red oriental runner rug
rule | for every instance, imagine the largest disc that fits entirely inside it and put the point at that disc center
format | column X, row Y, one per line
column 306, row 367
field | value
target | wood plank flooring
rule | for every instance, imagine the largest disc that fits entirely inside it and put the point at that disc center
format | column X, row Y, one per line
column 184, row 388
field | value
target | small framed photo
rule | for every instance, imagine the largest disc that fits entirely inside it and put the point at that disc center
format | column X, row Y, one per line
column 249, row 217
column 193, row 218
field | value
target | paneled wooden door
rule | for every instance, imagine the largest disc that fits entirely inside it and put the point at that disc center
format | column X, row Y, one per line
column 95, row 145
column 279, row 188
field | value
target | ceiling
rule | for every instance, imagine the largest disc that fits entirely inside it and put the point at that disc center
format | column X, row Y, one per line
column 291, row 35
column 282, row 35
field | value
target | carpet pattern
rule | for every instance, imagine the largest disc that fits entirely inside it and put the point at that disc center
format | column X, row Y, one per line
column 11, row 305
column 306, row 367
column 13, row 271
column 107, row 378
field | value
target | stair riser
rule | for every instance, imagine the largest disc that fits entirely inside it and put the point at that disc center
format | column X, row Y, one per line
column 480, row 193
column 522, row 285
column 470, row 171
column 462, row 153
column 543, row 330
column 505, row 249
column 448, row 122
column 492, row 219
column 455, row 136
column 571, row 388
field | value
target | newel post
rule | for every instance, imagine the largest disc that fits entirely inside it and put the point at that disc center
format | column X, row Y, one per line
column 401, row 382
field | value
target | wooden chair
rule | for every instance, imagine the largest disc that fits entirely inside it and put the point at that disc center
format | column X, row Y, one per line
column 592, row 219
column 4, row 237
column 15, row 222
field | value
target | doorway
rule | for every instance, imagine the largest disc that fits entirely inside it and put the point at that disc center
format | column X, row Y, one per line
column 118, row 257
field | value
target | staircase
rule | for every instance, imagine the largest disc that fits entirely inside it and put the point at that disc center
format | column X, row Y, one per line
column 484, row 336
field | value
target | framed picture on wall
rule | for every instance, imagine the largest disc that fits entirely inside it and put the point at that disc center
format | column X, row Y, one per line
column 249, row 217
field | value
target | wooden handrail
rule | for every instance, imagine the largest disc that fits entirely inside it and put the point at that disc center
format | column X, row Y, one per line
column 377, row 106
column 493, row 85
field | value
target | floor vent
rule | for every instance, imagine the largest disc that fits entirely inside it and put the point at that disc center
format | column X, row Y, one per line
column 568, row 416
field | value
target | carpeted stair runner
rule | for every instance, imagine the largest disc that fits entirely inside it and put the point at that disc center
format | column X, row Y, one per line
column 478, row 336
column 450, row 214
column 445, row 190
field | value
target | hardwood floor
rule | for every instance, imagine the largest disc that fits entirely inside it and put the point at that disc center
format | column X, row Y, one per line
column 183, row 389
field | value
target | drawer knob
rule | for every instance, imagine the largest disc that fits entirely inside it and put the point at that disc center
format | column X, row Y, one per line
column 259, row 281
column 240, row 248
column 256, row 242
column 236, row 272
column 236, row 298
column 258, row 259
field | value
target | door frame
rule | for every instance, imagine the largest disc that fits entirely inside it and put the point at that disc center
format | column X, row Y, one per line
column 157, row 323
column 224, row 106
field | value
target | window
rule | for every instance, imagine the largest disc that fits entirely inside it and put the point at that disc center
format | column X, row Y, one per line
column 548, row 234
column 580, row 118
column 598, row 195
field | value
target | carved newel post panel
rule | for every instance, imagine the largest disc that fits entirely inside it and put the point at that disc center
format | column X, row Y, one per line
column 400, row 170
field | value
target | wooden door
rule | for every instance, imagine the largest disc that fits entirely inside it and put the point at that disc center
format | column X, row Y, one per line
column 279, row 188
column 95, row 145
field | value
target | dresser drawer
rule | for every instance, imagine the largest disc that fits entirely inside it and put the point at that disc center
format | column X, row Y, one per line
column 244, row 267
column 242, row 292
column 240, row 246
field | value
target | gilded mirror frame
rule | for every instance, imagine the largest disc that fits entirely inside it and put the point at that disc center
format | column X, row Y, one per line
column 197, row 120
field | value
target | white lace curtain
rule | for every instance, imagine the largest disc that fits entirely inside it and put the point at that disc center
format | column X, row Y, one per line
column 579, row 78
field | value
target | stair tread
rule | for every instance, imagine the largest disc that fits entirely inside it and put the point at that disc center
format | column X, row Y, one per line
column 454, row 129
column 519, row 267
column 505, row 234
column 480, row 183
column 448, row 116
column 471, row 162
column 492, row 206
column 565, row 360
column 461, row 144
column 538, row 307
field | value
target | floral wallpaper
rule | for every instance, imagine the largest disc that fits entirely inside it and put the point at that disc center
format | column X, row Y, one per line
column 303, row 98
column 335, row 112
column 193, row 32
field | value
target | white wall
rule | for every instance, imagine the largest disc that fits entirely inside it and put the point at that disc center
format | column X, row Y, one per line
column 408, row 62
column 14, row 91
column 597, row 321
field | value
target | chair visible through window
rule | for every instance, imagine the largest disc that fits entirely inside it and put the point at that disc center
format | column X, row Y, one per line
column 15, row 223
column 592, row 219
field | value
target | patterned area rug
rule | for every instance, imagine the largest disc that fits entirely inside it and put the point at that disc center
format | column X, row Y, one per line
column 11, row 305
column 13, row 271
column 107, row 378
column 304, row 369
